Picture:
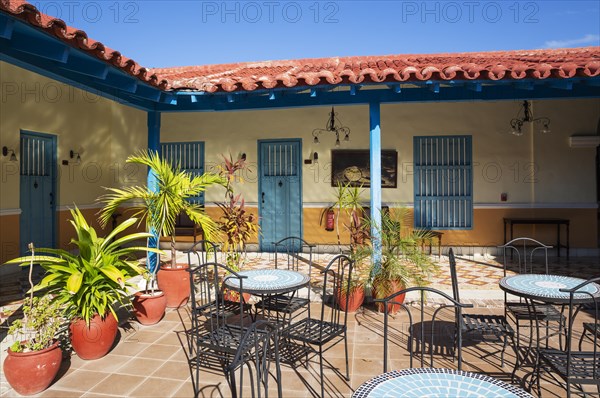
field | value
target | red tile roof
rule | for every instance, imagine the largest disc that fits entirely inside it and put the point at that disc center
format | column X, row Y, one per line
column 492, row 66
column 499, row 65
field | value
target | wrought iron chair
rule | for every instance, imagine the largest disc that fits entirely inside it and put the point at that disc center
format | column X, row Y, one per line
column 451, row 303
column 525, row 250
column 482, row 324
column 288, row 253
column 331, row 326
column 591, row 328
column 223, row 336
column 576, row 367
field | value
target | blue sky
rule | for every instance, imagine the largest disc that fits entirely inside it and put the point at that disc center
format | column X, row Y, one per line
column 165, row 33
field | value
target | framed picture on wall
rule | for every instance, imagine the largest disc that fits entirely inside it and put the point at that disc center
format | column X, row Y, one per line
column 353, row 166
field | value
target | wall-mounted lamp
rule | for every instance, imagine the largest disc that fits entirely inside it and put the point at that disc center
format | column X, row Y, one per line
column 517, row 123
column 75, row 155
column 313, row 158
column 5, row 151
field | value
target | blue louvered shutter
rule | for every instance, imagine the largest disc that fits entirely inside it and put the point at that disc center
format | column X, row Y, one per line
column 443, row 182
column 189, row 156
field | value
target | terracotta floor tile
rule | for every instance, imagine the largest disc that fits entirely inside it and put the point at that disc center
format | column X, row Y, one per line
column 108, row 364
column 53, row 393
column 172, row 338
column 118, row 384
column 141, row 366
column 159, row 351
column 130, row 347
column 154, row 386
column 173, row 370
column 81, row 380
column 145, row 336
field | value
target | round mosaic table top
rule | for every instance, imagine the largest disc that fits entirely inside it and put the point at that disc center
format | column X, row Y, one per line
column 269, row 281
column 433, row 382
column 547, row 288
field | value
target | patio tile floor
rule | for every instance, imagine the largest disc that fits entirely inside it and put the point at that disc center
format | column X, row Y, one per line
column 150, row 361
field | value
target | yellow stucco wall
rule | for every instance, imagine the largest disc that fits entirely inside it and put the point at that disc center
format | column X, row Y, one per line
column 104, row 132
column 540, row 173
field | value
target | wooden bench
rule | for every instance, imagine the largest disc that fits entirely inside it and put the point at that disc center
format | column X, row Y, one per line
column 184, row 226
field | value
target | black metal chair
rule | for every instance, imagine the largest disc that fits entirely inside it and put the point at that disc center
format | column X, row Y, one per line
column 223, row 335
column 482, row 324
column 451, row 303
column 331, row 326
column 576, row 367
column 288, row 254
column 593, row 329
column 525, row 251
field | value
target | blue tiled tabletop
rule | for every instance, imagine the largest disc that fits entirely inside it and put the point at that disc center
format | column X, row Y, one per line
column 547, row 288
column 269, row 281
column 432, row 382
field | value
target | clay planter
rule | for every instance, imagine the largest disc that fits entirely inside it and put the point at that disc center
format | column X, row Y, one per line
column 175, row 283
column 29, row 373
column 149, row 307
column 95, row 341
column 357, row 296
column 396, row 287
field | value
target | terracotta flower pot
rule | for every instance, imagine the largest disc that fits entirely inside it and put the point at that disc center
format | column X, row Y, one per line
column 95, row 341
column 355, row 300
column 175, row 283
column 29, row 373
column 395, row 287
column 149, row 307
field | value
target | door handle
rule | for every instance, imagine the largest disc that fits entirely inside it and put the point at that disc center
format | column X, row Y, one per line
column 51, row 198
column 263, row 197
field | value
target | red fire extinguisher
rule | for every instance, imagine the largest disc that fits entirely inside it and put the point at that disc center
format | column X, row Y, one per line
column 329, row 220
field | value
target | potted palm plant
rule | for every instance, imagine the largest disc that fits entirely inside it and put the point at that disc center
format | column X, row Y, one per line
column 402, row 261
column 34, row 358
column 160, row 207
column 88, row 284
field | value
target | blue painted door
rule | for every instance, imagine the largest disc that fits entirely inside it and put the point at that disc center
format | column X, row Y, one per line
column 38, row 190
column 280, row 191
column 189, row 156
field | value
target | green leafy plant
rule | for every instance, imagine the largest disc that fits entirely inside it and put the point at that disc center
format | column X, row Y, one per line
column 160, row 207
column 39, row 326
column 402, row 260
column 91, row 281
column 237, row 226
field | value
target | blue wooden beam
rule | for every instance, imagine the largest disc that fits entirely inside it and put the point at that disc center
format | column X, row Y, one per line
column 474, row 87
column 145, row 91
column 50, row 70
column 434, row 87
column 375, row 157
column 524, row 86
column 313, row 92
column 396, row 88
column 417, row 94
column 48, row 48
column 562, row 85
column 153, row 145
column 6, row 26
column 230, row 98
column 272, row 95
column 120, row 81
column 86, row 66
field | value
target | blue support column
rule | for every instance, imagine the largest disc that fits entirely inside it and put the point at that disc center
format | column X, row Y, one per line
column 375, row 145
column 153, row 145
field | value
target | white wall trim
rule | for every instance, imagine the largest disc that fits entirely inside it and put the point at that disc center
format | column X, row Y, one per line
column 80, row 207
column 10, row 212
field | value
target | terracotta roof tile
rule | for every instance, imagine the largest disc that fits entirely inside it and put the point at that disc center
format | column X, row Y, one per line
column 493, row 66
column 498, row 65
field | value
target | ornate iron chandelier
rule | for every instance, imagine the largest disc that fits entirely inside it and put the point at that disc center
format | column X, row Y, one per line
column 334, row 125
column 517, row 123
